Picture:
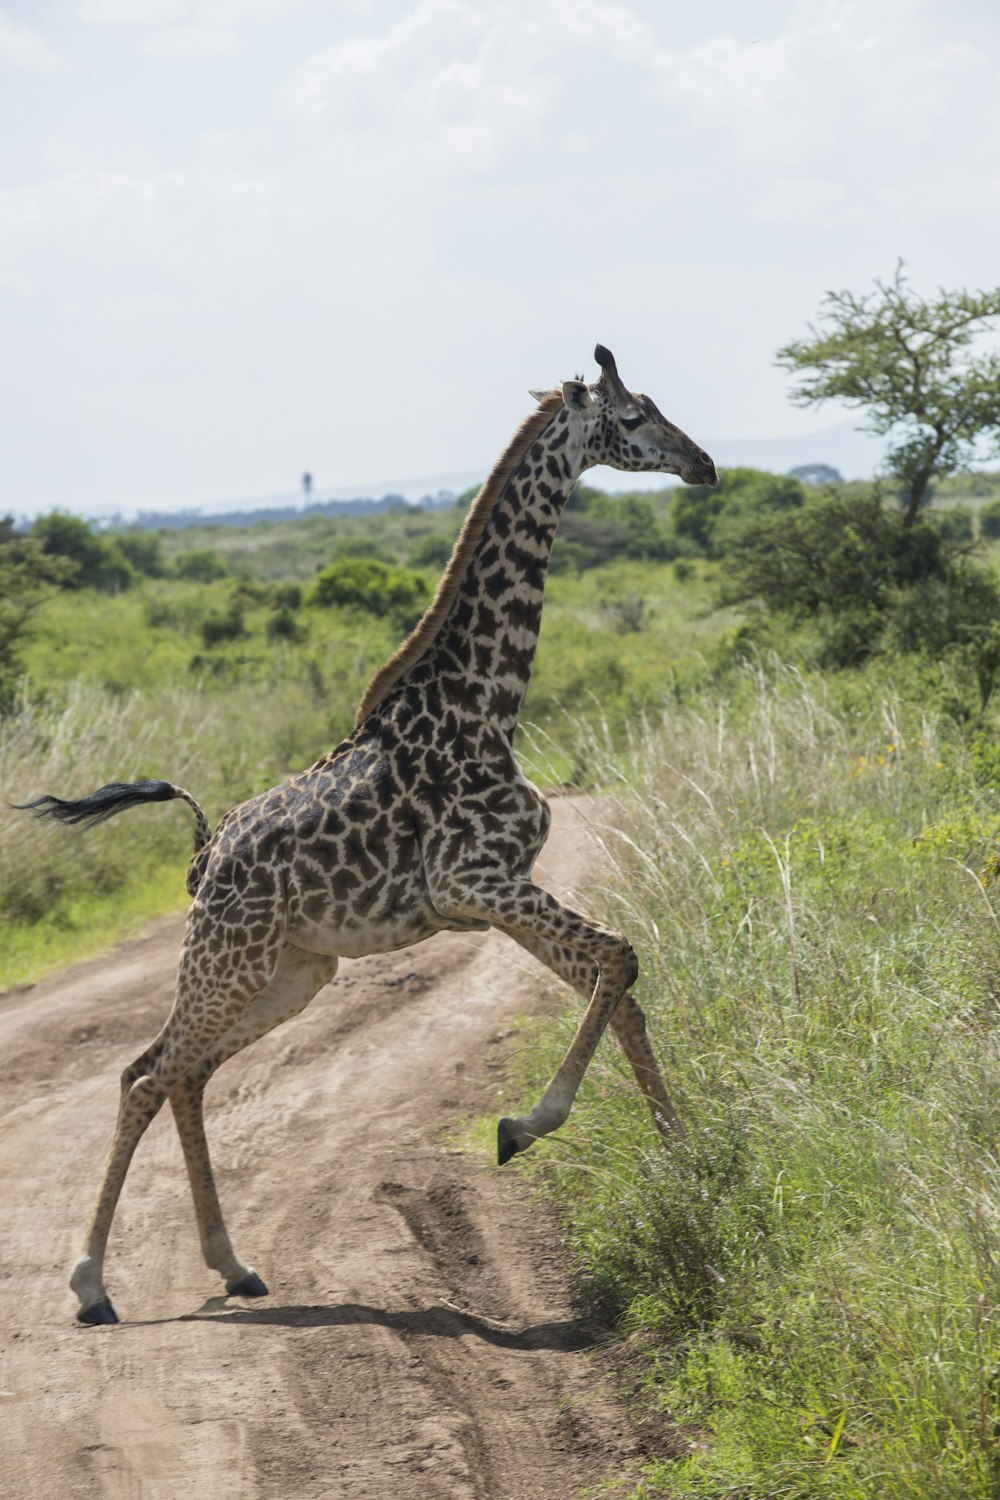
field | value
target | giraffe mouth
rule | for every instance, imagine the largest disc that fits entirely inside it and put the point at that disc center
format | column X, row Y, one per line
column 701, row 474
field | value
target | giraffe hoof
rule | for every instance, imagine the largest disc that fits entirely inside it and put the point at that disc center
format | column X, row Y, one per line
column 249, row 1286
column 507, row 1141
column 98, row 1312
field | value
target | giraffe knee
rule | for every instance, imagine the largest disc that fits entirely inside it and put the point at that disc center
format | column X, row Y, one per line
column 628, row 959
column 140, row 1068
column 142, row 1098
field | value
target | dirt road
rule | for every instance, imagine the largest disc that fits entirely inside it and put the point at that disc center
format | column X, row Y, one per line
column 418, row 1340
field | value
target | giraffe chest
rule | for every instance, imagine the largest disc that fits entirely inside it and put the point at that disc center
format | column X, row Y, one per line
column 497, row 823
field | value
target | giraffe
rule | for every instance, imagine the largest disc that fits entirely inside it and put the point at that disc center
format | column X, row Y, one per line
column 421, row 820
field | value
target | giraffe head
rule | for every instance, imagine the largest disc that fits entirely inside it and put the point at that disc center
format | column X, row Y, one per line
column 628, row 431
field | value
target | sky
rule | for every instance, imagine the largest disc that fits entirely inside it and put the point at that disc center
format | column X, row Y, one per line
column 240, row 239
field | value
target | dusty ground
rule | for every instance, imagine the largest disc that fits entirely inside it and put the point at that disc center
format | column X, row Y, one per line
column 418, row 1340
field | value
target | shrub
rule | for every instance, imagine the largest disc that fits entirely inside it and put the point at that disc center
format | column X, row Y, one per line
column 283, row 625
column 712, row 521
column 144, row 551
column 100, row 564
column 989, row 520
column 598, row 528
column 939, row 612
column 955, row 525
column 223, row 626
column 376, row 587
column 287, row 596
column 837, row 554
column 26, row 576
column 200, row 564
column 431, row 552
column 363, row 546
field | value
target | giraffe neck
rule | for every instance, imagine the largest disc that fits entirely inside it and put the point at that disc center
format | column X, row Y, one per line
column 477, row 642
column 490, row 634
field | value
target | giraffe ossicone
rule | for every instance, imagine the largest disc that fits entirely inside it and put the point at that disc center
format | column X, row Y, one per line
column 421, row 820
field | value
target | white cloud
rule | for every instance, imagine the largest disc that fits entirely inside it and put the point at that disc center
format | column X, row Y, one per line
column 843, row 74
column 450, row 81
column 22, row 48
column 844, row 89
column 183, row 30
column 176, row 13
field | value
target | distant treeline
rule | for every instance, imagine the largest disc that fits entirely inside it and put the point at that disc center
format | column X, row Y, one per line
column 159, row 520
column 179, row 520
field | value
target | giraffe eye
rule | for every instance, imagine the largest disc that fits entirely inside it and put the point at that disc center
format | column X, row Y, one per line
column 631, row 423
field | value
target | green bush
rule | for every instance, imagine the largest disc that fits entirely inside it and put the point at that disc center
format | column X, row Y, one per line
column 936, row 613
column 144, row 550
column 200, row 564
column 955, row 525
column 283, row 625
column 100, row 563
column 223, row 625
column 287, row 596
column 989, row 520
column 836, row 553
column 27, row 576
column 376, row 587
column 597, row 528
column 711, row 521
column 431, row 551
column 365, row 545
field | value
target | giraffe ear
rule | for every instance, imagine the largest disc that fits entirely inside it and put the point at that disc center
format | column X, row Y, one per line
column 576, row 395
column 539, row 395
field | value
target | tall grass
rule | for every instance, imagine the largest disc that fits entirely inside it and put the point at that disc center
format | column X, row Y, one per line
column 60, row 889
column 814, row 1270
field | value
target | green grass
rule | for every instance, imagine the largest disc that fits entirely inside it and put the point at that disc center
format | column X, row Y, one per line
column 82, row 924
column 814, row 1271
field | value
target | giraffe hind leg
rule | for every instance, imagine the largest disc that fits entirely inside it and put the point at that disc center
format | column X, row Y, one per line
column 204, row 1010
column 299, row 976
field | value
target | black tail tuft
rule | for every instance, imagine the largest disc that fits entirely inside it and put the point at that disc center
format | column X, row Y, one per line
column 100, row 804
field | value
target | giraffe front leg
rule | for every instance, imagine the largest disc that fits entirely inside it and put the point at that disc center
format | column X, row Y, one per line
column 528, row 913
column 628, row 1023
column 616, row 972
column 298, row 977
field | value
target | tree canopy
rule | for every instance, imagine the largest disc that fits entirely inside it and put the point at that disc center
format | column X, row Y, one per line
column 908, row 363
column 26, row 576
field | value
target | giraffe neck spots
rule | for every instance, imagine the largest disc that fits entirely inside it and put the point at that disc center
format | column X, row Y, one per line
column 485, row 649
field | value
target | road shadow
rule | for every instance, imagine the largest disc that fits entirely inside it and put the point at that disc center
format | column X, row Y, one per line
column 570, row 1335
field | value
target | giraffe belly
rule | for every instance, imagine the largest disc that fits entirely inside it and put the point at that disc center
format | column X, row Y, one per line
column 391, row 911
column 357, row 941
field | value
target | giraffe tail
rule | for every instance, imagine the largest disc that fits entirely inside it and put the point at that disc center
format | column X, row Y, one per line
column 115, row 798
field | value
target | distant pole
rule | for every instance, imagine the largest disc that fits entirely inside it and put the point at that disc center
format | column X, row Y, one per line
column 307, row 484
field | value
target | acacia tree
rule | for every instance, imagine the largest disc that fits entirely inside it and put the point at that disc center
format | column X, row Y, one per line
column 908, row 363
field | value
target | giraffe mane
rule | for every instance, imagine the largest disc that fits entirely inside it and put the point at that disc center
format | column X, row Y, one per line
column 426, row 629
